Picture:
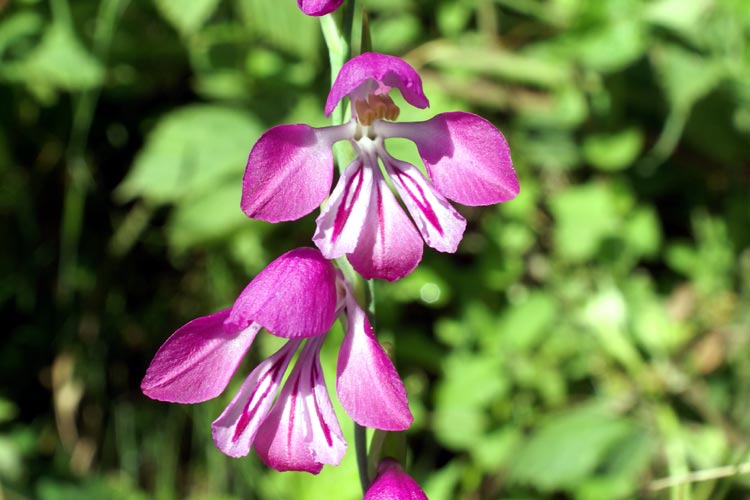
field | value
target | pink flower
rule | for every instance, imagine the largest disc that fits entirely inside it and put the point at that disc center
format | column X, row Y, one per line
column 290, row 171
column 298, row 296
column 318, row 7
column 392, row 483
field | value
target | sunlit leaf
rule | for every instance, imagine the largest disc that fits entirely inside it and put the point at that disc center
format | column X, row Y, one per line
column 60, row 61
column 274, row 21
column 191, row 150
column 568, row 448
column 614, row 151
column 187, row 17
column 585, row 215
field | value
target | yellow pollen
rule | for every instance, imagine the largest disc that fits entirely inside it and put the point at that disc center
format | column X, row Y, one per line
column 376, row 107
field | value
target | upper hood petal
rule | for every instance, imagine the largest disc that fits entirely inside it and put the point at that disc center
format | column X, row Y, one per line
column 197, row 361
column 384, row 72
column 294, row 296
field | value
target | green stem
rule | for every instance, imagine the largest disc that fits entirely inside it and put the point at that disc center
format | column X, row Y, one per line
column 340, row 42
column 338, row 51
column 360, row 445
column 79, row 174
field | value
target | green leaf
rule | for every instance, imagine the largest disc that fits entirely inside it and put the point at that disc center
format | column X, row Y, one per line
column 685, row 76
column 59, row 61
column 686, row 18
column 191, row 151
column 187, row 17
column 471, row 384
column 615, row 151
column 567, row 109
column 274, row 21
column 585, row 215
column 497, row 448
column 19, row 25
column 209, row 217
column 568, row 448
column 523, row 326
column 642, row 232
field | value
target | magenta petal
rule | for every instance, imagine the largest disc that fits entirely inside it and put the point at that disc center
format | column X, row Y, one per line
column 389, row 247
column 294, row 296
column 318, row 7
column 197, row 361
column 235, row 429
column 467, row 158
column 367, row 383
column 341, row 220
column 302, row 433
column 440, row 225
column 392, row 483
column 288, row 173
column 384, row 71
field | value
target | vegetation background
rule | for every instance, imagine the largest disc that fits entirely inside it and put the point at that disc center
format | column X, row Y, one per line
column 588, row 340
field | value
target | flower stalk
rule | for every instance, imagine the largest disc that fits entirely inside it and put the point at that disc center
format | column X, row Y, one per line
column 340, row 43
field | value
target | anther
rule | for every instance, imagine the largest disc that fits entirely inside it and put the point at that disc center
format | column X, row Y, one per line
column 376, row 107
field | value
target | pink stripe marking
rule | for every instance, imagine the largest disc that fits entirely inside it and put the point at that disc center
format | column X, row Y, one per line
column 249, row 413
column 323, row 425
column 342, row 215
column 295, row 392
column 420, row 200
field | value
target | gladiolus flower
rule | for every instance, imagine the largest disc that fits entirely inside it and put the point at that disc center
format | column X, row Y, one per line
column 290, row 171
column 298, row 297
column 392, row 483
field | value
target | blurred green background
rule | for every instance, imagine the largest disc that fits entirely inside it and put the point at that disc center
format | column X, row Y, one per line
column 588, row 339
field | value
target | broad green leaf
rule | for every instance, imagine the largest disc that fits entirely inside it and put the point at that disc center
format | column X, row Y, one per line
column 470, row 384
column 187, row 16
column 523, row 326
column 551, row 150
column 685, row 76
column 686, row 18
column 496, row 449
column 209, row 217
column 585, row 215
column 653, row 328
column 615, row 151
column 60, row 61
column 642, row 232
column 191, row 150
column 568, row 448
column 392, row 35
column 18, row 26
column 452, row 17
column 441, row 484
column 283, row 25
column 11, row 459
column 612, row 48
column 566, row 109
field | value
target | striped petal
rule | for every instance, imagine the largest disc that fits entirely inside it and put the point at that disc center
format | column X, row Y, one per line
column 302, row 433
